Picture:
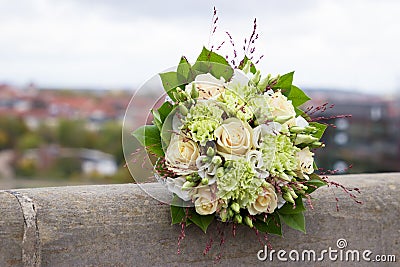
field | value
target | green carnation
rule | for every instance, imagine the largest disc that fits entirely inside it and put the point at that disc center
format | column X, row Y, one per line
column 259, row 106
column 236, row 105
column 238, row 183
column 279, row 154
column 202, row 120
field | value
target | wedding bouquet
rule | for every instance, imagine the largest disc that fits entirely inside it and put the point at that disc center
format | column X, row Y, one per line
column 232, row 144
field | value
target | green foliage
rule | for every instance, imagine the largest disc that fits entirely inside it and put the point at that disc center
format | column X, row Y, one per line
column 243, row 63
column 314, row 183
column 295, row 221
column 271, row 225
column 287, row 208
column 177, row 214
column 149, row 137
column 293, row 215
column 320, row 129
column 202, row 221
column 297, row 96
column 285, row 83
column 213, row 63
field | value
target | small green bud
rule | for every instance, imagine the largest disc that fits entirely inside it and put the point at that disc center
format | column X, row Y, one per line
column 248, row 221
column 188, row 185
column 194, row 93
column 189, row 178
column 284, row 176
column 237, row 219
column 204, row 181
column 311, row 128
column 210, row 152
column 304, row 139
column 288, row 197
column 217, row 160
column 256, row 77
column 296, row 129
column 301, row 192
column 183, row 109
column 220, row 172
column 292, row 193
column 230, row 213
column 282, row 119
column 317, row 144
column 235, row 207
column 224, row 215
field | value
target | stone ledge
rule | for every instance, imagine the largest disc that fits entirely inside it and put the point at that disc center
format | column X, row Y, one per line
column 120, row 225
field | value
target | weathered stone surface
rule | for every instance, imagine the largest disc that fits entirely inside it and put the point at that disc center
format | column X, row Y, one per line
column 120, row 225
column 11, row 230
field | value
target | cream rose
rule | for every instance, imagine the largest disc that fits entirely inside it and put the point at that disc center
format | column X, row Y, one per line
column 205, row 201
column 266, row 202
column 181, row 155
column 281, row 106
column 305, row 161
column 207, row 85
column 234, row 138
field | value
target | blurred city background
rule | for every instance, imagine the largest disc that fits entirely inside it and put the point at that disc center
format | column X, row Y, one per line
column 68, row 70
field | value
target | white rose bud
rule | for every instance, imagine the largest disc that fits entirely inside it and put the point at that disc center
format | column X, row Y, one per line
column 205, row 201
column 266, row 202
column 207, row 86
column 234, row 138
column 181, row 155
column 281, row 106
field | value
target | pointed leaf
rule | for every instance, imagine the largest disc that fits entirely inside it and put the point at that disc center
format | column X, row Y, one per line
column 164, row 110
column 243, row 63
column 314, row 183
column 185, row 70
column 320, row 127
column 202, row 221
column 171, row 80
column 295, row 221
column 272, row 224
column 287, row 208
column 149, row 137
column 297, row 96
column 177, row 214
column 285, row 83
column 211, row 62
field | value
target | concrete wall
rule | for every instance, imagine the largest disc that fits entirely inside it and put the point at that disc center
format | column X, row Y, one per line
column 120, row 225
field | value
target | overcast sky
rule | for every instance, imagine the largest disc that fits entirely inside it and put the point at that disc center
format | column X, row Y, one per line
column 345, row 44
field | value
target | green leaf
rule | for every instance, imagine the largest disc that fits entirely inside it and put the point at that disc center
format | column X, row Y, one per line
column 295, row 221
column 285, row 83
column 320, row 129
column 287, row 208
column 202, row 221
column 243, row 63
column 171, row 80
column 272, row 224
column 185, row 70
column 297, row 96
column 149, row 137
column 211, row 62
column 156, row 119
column 166, row 130
column 177, row 214
column 165, row 110
column 314, row 183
